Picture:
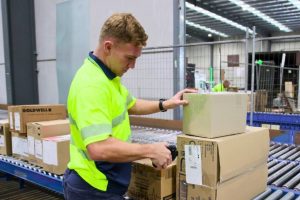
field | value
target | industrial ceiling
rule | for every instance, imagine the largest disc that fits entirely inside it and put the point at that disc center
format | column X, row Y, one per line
column 218, row 19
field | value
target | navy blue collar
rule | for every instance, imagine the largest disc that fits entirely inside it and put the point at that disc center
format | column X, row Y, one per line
column 104, row 68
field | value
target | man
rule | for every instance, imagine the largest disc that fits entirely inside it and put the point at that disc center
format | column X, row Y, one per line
column 98, row 106
column 221, row 87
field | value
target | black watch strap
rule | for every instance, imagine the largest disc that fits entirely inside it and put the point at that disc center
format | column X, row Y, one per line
column 160, row 105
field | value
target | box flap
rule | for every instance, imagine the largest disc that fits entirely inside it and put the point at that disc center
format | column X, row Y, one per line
column 241, row 152
column 148, row 162
column 52, row 122
column 58, row 138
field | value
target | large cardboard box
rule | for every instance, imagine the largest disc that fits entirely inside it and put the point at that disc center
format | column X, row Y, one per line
column 147, row 183
column 56, row 153
column 215, row 114
column 33, row 113
column 19, row 145
column 38, row 130
column 5, row 138
column 220, row 159
column 243, row 187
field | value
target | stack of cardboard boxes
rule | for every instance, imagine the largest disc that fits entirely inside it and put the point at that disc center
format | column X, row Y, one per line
column 218, row 157
column 30, row 125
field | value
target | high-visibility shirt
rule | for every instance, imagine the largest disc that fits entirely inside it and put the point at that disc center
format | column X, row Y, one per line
column 98, row 108
column 218, row 88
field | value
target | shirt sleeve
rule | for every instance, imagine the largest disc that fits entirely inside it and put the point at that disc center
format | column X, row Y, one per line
column 93, row 114
column 130, row 100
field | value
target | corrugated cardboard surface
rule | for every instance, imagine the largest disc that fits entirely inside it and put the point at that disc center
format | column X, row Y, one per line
column 214, row 114
column 5, row 138
column 226, row 157
column 32, row 113
column 56, row 153
column 38, row 130
column 147, row 183
column 243, row 187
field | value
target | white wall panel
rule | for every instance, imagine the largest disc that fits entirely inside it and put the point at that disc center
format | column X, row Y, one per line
column 45, row 28
column 156, row 17
column 286, row 46
column 47, row 82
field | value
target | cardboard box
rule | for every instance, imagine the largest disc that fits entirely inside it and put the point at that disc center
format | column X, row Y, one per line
column 222, row 158
column 243, row 187
column 34, row 113
column 19, row 145
column 38, row 130
column 214, row 114
column 289, row 89
column 147, row 183
column 10, row 111
column 5, row 138
column 56, row 153
column 261, row 100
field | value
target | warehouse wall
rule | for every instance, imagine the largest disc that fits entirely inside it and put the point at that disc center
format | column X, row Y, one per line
column 285, row 46
column 151, row 17
column 151, row 14
column 3, row 95
column 45, row 20
column 201, row 56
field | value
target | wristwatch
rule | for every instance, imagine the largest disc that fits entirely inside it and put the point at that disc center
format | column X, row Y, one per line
column 160, row 105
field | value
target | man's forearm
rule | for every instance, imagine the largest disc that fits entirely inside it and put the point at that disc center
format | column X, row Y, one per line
column 114, row 150
column 145, row 107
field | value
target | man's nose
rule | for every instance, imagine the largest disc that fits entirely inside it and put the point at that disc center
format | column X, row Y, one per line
column 132, row 64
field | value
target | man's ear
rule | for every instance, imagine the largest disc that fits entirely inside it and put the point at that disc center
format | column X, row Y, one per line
column 107, row 47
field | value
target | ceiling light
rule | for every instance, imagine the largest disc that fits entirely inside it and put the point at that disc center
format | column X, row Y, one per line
column 204, row 28
column 261, row 15
column 295, row 3
column 217, row 17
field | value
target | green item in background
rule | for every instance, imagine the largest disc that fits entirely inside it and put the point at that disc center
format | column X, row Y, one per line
column 259, row 62
column 211, row 76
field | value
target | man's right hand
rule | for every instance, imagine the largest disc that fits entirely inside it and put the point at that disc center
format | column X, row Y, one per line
column 161, row 155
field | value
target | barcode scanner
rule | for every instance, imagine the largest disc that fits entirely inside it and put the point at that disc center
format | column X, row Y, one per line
column 173, row 150
column 174, row 153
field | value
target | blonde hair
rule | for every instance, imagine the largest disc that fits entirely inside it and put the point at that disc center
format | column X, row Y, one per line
column 125, row 28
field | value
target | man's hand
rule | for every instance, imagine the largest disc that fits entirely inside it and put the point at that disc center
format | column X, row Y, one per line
column 161, row 156
column 177, row 100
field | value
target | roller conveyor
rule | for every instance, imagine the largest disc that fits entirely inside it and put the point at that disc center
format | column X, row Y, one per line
column 275, row 195
column 292, row 182
column 288, row 196
column 283, row 165
column 286, row 177
column 280, row 172
column 289, row 153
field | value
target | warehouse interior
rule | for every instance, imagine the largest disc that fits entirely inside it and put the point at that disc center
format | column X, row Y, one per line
column 235, row 142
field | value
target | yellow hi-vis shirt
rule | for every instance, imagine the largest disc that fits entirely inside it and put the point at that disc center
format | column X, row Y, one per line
column 98, row 108
column 218, row 88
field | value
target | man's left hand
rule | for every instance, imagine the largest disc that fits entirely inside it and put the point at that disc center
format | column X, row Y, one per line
column 177, row 100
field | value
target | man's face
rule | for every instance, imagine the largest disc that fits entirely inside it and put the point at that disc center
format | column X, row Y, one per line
column 226, row 84
column 123, row 57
